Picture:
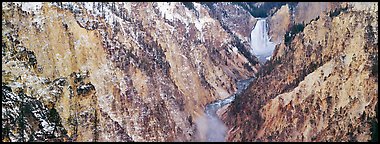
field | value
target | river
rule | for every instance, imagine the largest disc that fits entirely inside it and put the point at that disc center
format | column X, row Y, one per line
column 216, row 130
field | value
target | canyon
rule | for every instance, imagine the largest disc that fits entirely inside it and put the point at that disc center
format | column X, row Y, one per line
column 189, row 71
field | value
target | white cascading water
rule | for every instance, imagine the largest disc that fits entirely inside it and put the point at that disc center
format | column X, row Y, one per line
column 261, row 47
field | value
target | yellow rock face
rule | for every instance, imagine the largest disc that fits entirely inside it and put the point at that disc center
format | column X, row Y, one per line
column 320, row 88
column 142, row 77
column 279, row 23
column 306, row 11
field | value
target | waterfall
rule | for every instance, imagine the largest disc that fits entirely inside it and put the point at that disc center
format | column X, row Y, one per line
column 261, row 47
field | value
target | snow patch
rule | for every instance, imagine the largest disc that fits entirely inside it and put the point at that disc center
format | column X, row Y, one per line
column 170, row 12
column 235, row 50
column 31, row 6
column 166, row 10
column 202, row 20
column 88, row 5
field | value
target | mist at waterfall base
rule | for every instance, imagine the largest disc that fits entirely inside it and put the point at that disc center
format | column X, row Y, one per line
column 261, row 46
column 211, row 129
column 209, row 126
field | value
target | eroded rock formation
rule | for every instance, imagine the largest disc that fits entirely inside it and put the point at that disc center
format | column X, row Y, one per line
column 116, row 71
column 145, row 71
column 320, row 87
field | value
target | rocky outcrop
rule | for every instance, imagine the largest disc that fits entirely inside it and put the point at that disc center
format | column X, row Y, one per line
column 117, row 71
column 304, row 12
column 233, row 18
column 321, row 87
column 279, row 24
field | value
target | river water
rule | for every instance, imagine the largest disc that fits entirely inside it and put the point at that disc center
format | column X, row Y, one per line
column 216, row 130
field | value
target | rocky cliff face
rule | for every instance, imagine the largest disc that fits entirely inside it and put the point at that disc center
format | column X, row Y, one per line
column 114, row 71
column 279, row 24
column 322, row 86
column 304, row 12
column 146, row 71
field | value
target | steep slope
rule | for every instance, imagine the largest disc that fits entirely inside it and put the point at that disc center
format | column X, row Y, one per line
column 321, row 87
column 116, row 71
column 146, row 71
column 304, row 12
column 279, row 23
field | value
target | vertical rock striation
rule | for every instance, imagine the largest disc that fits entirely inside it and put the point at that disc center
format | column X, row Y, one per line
column 114, row 71
column 320, row 87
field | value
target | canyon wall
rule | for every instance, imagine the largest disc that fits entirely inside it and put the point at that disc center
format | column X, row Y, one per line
column 114, row 71
column 322, row 86
column 145, row 71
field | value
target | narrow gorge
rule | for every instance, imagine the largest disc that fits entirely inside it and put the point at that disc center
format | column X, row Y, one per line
column 189, row 71
column 262, row 48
